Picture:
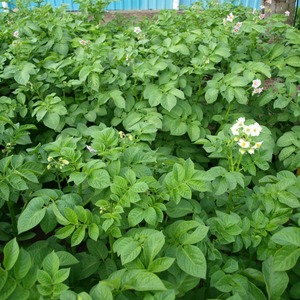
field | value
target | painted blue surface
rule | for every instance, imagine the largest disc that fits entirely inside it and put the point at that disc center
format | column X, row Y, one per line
column 140, row 4
column 145, row 4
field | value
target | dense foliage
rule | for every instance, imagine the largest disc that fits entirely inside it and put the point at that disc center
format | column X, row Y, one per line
column 151, row 160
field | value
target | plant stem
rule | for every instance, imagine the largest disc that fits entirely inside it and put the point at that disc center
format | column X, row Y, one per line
column 111, row 242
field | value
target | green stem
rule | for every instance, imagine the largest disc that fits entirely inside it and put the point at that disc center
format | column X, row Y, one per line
column 58, row 181
column 237, row 169
column 12, row 214
column 111, row 242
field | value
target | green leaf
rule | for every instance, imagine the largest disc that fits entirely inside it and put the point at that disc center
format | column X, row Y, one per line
column 160, row 264
column 78, row 235
column 288, row 199
column 8, row 288
column 22, row 265
column 152, row 245
column 276, row 282
column 168, row 101
column 64, row 232
column 51, row 263
column 101, row 291
column 135, row 216
column 94, row 81
column 93, row 231
column 276, row 51
column 119, row 101
column 178, row 93
column 17, row 182
column 287, row 236
column 191, row 260
column 61, row 275
column 153, row 94
column 11, row 252
column 44, row 278
column 51, row 120
column 66, row 258
column 32, row 215
column 71, row 215
column 19, row 293
column 3, row 277
column 99, row 179
column 286, row 258
column 293, row 61
column 142, row 280
column 211, row 95
column 287, row 139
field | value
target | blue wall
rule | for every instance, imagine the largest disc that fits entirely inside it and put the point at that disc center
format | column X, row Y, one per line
column 146, row 4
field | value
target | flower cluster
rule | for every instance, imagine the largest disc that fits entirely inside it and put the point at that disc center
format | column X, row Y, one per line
column 58, row 164
column 16, row 34
column 243, row 135
column 237, row 27
column 287, row 13
column 256, row 83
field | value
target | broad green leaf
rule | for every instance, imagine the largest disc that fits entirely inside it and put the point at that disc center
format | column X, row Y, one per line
column 19, row 293
column 286, row 258
column 66, row 258
column 11, row 252
column 44, row 278
column 32, row 215
column 153, row 94
column 17, row 182
column 93, row 231
column 3, row 277
column 142, row 280
column 286, row 139
column 118, row 99
column 276, row 282
column 51, row 263
column 64, row 232
column 288, row 199
column 160, row 264
column 293, row 61
column 152, row 245
column 211, row 95
column 71, row 215
column 22, row 265
column 168, row 101
column 135, row 216
column 78, row 235
column 99, row 179
column 94, row 81
column 191, row 260
column 8, row 288
column 101, row 291
column 287, row 236
column 51, row 120
column 61, row 275
column 276, row 51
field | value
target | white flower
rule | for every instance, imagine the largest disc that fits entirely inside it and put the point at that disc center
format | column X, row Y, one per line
column 256, row 83
column 243, row 143
column 251, row 151
column 238, row 24
column 82, row 42
column 235, row 129
column 91, row 150
column 269, row 1
column 240, row 121
column 247, row 130
column 287, row 13
column 16, row 34
column 257, row 91
column 137, row 30
column 255, row 129
column 262, row 7
column 257, row 145
column 230, row 17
